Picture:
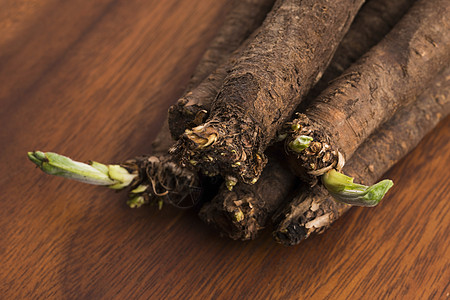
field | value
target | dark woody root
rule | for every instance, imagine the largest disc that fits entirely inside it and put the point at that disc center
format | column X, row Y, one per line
column 167, row 181
column 240, row 22
column 313, row 210
column 368, row 93
column 263, row 87
column 244, row 211
column 375, row 19
column 191, row 109
column 372, row 23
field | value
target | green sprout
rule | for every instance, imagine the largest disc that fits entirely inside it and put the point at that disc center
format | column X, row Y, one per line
column 136, row 202
column 342, row 188
column 300, row 143
column 112, row 176
column 230, row 182
column 239, row 215
column 295, row 127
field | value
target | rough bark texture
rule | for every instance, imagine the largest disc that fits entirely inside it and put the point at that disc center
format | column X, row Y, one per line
column 159, row 168
column 372, row 23
column 245, row 17
column 313, row 210
column 192, row 109
column 375, row 19
column 243, row 212
column 369, row 92
column 240, row 22
column 263, row 87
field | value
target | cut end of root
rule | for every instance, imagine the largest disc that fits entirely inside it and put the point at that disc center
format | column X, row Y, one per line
column 290, row 235
column 215, row 149
column 185, row 115
column 201, row 136
column 312, row 148
column 236, row 217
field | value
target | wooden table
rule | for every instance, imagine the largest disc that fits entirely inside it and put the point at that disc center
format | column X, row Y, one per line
column 92, row 80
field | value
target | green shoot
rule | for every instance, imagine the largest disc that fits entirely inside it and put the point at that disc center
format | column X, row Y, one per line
column 239, row 216
column 112, row 176
column 230, row 182
column 300, row 143
column 136, row 202
column 342, row 188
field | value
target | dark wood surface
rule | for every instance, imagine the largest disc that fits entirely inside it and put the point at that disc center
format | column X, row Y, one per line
column 92, row 80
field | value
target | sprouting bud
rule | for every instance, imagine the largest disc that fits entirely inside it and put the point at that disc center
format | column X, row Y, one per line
column 300, row 143
column 113, row 176
column 342, row 188
column 139, row 189
column 136, row 202
column 239, row 215
column 121, row 175
column 230, row 182
column 295, row 127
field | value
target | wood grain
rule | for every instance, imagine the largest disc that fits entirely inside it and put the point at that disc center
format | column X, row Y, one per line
column 92, row 80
